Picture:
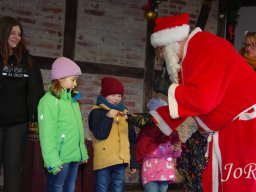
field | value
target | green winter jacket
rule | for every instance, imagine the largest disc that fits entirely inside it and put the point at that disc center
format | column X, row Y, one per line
column 61, row 131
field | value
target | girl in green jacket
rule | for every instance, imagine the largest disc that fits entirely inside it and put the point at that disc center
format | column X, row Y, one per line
column 61, row 130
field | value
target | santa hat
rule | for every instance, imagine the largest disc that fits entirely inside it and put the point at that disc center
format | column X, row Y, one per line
column 170, row 29
column 111, row 86
column 64, row 67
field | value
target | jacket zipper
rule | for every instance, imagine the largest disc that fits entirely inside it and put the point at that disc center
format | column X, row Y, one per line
column 61, row 144
column 81, row 156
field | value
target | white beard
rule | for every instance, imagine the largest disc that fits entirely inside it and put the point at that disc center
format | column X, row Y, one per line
column 172, row 61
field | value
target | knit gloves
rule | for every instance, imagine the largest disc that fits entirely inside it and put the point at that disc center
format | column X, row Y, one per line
column 161, row 85
column 140, row 120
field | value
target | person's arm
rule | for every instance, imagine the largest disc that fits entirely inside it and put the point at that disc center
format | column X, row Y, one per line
column 140, row 120
column 37, row 77
column 207, row 72
column 39, row 80
column 35, row 87
column 132, row 139
column 176, row 149
column 48, row 119
column 99, row 124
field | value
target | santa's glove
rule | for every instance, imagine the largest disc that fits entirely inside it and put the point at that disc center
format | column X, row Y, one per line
column 162, row 85
column 140, row 120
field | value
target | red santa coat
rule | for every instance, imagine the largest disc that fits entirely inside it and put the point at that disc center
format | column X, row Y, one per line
column 218, row 88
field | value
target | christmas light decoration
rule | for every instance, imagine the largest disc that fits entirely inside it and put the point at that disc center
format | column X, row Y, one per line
column 151, row 9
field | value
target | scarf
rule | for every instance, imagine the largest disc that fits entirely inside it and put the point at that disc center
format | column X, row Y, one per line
column 102, row 100
column 251, row 61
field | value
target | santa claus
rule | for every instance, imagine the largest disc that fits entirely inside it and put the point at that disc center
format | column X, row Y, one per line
column 211, row 82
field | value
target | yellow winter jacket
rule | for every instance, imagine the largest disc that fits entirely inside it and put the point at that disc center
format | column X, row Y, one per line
column 115, row 149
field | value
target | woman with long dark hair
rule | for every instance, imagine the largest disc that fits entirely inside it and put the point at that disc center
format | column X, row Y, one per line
column 21, row 87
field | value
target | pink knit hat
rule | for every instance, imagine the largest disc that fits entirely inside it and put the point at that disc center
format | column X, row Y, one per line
column 111, row 86
column 63, row 67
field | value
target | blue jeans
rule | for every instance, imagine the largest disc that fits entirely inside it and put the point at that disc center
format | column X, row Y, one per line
column 65, row 180
column 115, row 175
column 156, row 186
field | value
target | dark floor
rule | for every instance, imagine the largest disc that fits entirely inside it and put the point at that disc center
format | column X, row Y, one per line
column 132, row 190
column 174, row 187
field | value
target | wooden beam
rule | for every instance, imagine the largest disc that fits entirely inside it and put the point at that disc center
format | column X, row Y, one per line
column 248, row 3
column 96, row 68
column 70, row 29
column 149, row 66
column 99, row 68
column 222, row 18
column 204, row 14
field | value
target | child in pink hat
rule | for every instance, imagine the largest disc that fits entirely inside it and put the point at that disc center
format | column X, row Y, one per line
column 61, row 129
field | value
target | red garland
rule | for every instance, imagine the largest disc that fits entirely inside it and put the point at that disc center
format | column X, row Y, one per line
column 231, row 31
column 148, row 6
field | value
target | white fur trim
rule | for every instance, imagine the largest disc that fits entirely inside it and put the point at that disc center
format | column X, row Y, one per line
column 202, row 124
column 169, row 35
column 216, row 162
column 161, row 123
column 245, row 116
column 173, row 105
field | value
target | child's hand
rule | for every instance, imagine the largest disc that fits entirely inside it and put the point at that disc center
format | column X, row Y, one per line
column 176, row 146
column 84, row 161
column 133, row 171
column 60, row 168
column 112, row 113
